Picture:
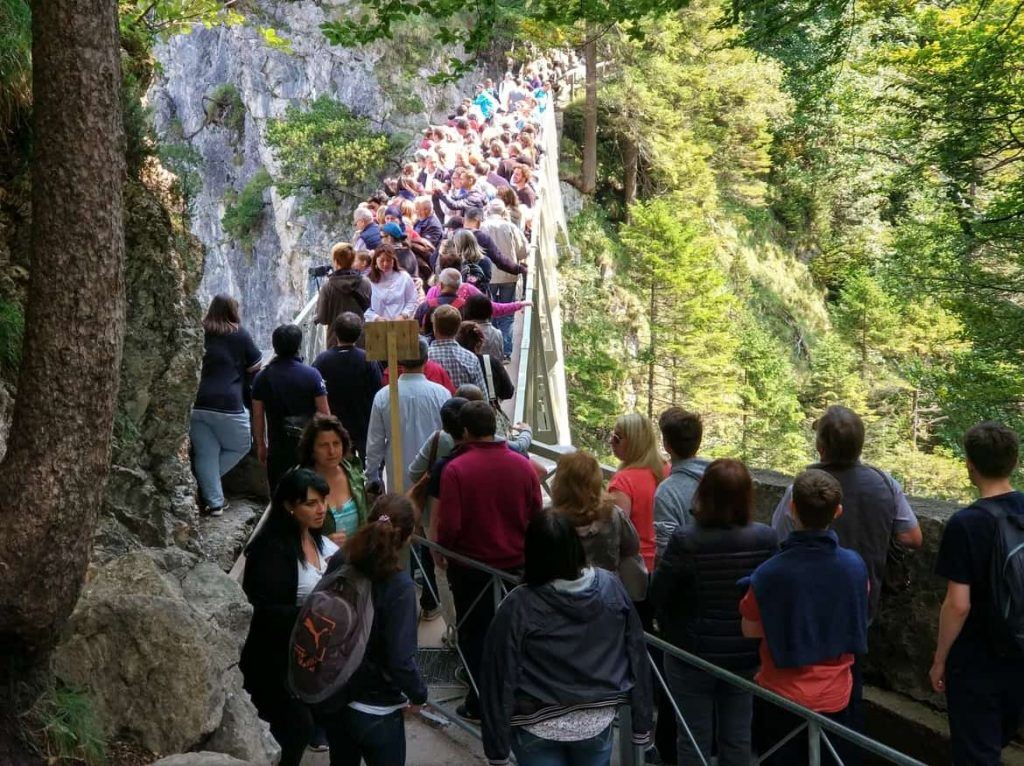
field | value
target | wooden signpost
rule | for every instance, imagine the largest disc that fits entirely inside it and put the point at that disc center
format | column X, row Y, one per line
column 391, row 341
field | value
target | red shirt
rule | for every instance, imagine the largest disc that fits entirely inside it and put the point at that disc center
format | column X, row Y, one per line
column 824, row 687
column 488, row 495
column 432, row 371
column 639, row 484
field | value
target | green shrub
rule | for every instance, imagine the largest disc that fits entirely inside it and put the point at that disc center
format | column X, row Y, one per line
column 327, row 153
column 224, row 107
column 63, row 726
column 15, row 65
column 244, row 215
column 12, row 328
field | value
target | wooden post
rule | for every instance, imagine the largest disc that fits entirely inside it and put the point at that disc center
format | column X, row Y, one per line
column 396, row 431
column 391, row 341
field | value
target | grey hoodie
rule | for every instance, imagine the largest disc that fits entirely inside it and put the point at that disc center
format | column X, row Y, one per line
column 673, row 500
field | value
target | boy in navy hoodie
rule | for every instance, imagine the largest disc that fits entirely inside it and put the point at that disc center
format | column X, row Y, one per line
column 809, row 605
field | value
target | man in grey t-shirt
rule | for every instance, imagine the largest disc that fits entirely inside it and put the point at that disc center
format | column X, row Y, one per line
column 681, row 434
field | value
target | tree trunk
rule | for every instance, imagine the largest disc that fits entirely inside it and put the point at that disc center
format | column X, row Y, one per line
column 630, row 162
column 590, row 112
column 54, row 475
column 653, row 319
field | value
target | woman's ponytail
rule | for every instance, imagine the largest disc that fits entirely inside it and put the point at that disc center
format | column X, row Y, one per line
column 374, row 549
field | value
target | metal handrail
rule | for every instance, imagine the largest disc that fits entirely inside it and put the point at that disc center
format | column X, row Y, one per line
column 816, row 724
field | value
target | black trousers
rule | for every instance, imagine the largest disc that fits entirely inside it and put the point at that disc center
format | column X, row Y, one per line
column 772, row 723
column 428, row 602
column 985, row 699
column 473, row 620
column 665, row 726
column 291, row 722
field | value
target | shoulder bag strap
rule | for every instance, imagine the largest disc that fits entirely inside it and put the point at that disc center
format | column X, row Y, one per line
column 489, row 374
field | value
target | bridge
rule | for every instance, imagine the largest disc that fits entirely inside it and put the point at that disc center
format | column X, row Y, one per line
column 541, row 400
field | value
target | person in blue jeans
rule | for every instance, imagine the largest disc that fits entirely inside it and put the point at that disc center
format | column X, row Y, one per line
column 219, row 427
column 562, row 653
column 504, row 293
column 364, row 721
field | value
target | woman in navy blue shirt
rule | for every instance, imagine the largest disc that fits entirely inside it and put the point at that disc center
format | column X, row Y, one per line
column 219, row 429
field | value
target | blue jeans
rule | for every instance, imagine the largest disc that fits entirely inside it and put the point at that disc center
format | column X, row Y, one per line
column 504, row 294
column 356, row 737
column 219, row 441
column 534, row 751
column 715, row 711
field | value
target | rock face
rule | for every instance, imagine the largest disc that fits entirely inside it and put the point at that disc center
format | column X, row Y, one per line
column 203, row 758
column 155, row 640
column 150, row 496
column 385, row 81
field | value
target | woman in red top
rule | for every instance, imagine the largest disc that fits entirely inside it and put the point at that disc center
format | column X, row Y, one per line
column 641, row 469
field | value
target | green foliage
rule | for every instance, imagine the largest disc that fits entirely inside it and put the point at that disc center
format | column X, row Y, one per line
column 244, row 215
column 145, row 22
column 772, row 432
column 689, row 342
column 596, row 330
column 326, row 154
column 15, row 65
column 12, row 329
column 274, row 40
column 63, row 726
column 224, row 107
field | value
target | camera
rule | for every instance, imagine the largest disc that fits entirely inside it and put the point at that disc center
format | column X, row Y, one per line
column 320, row 271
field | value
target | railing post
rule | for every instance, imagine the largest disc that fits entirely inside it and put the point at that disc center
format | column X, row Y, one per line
column 498, row 592
column 813, row 743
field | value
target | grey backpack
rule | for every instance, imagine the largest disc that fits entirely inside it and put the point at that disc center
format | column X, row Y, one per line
column 330, row 635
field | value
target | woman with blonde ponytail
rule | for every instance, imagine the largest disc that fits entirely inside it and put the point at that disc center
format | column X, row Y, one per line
column 641, row 468
column 364, row 720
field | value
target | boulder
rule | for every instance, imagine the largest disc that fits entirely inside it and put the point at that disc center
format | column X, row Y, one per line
column 155, row 640
column 203, row 758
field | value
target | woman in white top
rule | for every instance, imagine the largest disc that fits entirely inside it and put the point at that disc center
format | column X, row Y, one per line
column 284, row 562
column 392, row 291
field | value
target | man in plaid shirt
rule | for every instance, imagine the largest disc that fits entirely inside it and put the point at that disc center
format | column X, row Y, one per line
column 462, row 365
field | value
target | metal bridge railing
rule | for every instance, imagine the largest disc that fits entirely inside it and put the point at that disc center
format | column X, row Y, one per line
column 820, row 732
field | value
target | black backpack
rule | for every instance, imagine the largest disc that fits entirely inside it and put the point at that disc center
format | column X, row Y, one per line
column 472, row 274
column 1006, row 577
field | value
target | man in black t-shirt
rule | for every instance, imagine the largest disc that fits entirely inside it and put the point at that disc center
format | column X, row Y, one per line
column 351, row 379
column 285, row 396
column 983, row 679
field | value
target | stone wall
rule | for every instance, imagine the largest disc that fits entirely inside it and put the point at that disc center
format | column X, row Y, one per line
column 902, row 639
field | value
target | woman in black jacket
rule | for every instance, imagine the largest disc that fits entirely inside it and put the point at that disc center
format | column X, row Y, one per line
column 364, row 720
column 284, row 561
column 696, row 595
column 563, row 652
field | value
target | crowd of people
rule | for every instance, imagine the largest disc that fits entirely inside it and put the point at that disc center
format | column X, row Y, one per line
column 669, row 546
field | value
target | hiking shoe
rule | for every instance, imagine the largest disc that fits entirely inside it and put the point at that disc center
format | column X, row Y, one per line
column 466, row 714
column 429, row 615
column 317, row 747
column 218, row 511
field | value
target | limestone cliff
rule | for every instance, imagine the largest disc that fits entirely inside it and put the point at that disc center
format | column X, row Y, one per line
column 385, row 82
